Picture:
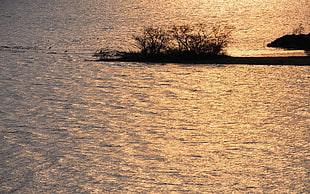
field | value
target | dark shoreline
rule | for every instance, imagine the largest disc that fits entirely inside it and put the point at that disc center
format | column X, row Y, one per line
column 297, row 61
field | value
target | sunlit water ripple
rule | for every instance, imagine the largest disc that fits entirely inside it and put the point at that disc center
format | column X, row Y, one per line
column 73, row 126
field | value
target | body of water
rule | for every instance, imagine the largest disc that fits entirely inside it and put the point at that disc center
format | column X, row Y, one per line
column 73, row 126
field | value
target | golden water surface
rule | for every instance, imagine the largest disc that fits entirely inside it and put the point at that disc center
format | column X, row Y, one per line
column 73, row 126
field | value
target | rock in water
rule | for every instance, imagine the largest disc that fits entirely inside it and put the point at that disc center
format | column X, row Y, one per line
column 294, row 42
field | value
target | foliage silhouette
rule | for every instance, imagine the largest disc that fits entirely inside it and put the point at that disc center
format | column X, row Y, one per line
column 174, row 43
column 298, row 30
column 153, row 41
column 185, row 39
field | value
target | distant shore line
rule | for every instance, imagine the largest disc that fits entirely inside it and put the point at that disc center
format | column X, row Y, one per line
column 293, row 60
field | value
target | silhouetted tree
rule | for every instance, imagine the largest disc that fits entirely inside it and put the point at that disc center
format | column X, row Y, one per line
column 299, row 30
column 154, row 40
column 183, row 39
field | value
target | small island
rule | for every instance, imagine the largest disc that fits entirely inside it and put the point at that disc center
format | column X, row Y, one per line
column 196, row 44
column 292, row 42
column 295, row 41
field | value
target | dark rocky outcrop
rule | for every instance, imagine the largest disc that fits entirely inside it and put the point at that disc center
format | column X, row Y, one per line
column 294, row 42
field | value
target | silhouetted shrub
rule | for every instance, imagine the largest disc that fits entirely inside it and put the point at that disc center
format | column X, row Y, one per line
column 174, row 43
column 185, row 39
column 298, row 30
column 153, row 41
column 105, row 54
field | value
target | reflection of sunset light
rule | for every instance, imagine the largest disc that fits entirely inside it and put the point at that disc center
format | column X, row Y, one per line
column 71, row 124
column 187, row 123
